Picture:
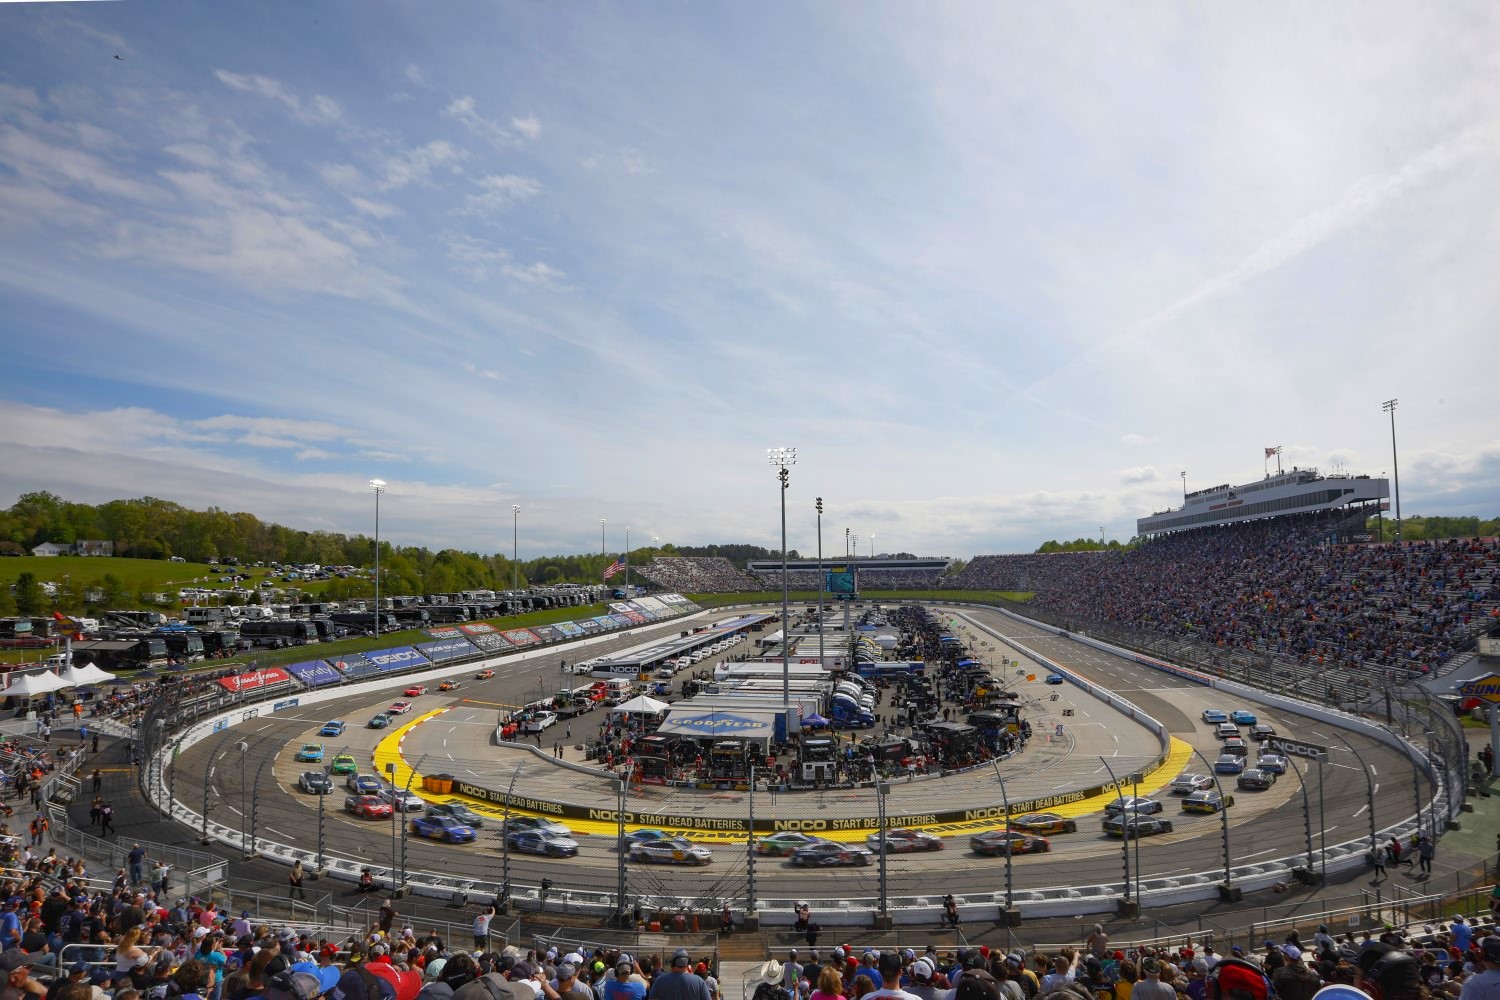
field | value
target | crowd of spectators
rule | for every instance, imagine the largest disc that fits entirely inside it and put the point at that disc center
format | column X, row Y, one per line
column 871, row 577
column 1274, row 587
column 1460, row 959
column 62, row 939
column 697, row 575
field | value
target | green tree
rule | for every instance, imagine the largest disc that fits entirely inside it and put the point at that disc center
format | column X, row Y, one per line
column 7, row 601
column 30, row 598
column 116, row 594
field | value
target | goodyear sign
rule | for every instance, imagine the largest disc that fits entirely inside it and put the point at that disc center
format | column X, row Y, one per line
column 1486, row 688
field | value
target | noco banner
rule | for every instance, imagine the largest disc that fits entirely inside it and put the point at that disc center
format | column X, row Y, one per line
column 731, row 825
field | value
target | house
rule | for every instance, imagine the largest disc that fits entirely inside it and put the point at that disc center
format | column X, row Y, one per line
column 51, row 549
column 93, row 547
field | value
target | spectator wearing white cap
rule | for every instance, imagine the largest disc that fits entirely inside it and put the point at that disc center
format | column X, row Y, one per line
column 921, row 973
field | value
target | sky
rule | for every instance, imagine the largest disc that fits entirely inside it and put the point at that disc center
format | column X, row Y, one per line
column 999, row 271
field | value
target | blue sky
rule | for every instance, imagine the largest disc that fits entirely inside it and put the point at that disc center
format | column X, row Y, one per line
column 999, row 271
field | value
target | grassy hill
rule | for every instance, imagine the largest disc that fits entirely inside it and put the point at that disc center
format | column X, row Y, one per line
column 134, row 574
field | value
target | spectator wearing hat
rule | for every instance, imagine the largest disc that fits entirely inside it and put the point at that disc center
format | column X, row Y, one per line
column 1152, row 987
column 1397, row 976
column 1097, row 943
column 1294, row 980
column 680, row 983
column 629, row 982
column 977, row 984
column 768, row 981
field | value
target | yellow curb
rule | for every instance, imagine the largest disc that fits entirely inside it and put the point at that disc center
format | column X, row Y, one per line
column 389, row 751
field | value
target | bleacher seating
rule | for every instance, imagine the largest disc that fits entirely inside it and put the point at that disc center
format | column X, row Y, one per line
column 697, row 575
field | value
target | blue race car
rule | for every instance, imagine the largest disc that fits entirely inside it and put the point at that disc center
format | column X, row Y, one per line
column 1272, row 762
column 1229, row 764
column 311, row 753
column 1214, row 716
column 648, row 836
column 1054, row 678
column 1240, row 717
column 333, row 728
column 442, row 828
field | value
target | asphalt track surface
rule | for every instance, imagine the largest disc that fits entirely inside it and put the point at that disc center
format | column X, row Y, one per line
column 1263, row 825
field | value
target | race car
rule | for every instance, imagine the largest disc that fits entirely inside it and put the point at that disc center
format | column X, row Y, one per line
column 1260, row 732
column 449, row 686
column 1054, row 678
column 783, row 845
column 458, row 811
column 400, row 798
column 441, row 828
column 1207, row 801
column 415, row 691
column 633, row 837
column 334, row 727
column 1256, row 780
column 1187, row 784
column 905, row 841
column 826, row 854
column 363, row 784
column 311, row 753
column 1132, row 804
column 1229, row 764
column 1241, row 717
column 552, row 845
column 1236, row 747
column 380, row 720
column 521, row 824
column 995, row 843
column 1214, row 716
column 344, row 764
column 671, row 852
column 368, row 807
column 1227, row 731
column 1273, row 763
column 484, row 674
column 1136, row 826
column 315, row 782
column 1044, row 823
column 399, row 708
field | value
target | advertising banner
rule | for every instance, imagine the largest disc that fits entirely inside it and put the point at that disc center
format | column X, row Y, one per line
column 353, row 665
column 621, row 620
column 607, row 621
column 520, row 637
column 490, row 642
column 255, row 679
column 650, row 604
column 641, row 610
column 569, row 629
column 619, row 607
column 588, row 625
column 478, row 628
column 671, row 598
column 314, row 673
column 395, row 658
column 447, row 649
column 445, row 633
column 633, row 616
column 547, row 633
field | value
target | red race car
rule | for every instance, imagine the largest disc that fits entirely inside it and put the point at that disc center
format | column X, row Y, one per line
column 368, row 807
column 415, row 691
column 484, row 675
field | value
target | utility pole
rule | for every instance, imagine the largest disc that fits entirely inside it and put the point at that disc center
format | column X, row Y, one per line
column 819, row 505
column 1389, row 406
column 782, row 459
column 515, row 545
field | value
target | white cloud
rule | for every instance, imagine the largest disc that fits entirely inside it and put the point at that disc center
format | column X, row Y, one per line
column 375, row 209
column 415, row 165
column 1136, row 440
column 1140, row 474
column 341, row 175
column 488, row 373
column 462, row 110
column 414, row 73
column 499, row 192
column 529, row 126
column 537, row 273
column 320, row 110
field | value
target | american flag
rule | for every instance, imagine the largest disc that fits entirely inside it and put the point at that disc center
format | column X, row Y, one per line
column 613, row 568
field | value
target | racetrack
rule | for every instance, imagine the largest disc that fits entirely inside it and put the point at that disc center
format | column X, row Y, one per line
column 1264, row 825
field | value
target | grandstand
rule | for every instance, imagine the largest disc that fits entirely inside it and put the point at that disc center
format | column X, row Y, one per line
column 1276, row 588
column 697, row 575
column 874, row 574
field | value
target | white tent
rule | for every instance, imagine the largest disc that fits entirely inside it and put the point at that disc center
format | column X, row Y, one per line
column 640, row 705
column 29, row 685
column 86, row 674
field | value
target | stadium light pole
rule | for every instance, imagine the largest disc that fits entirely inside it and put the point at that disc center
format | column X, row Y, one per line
column 515, row 546
column 783, row 459
column 1389, row 406
column 819, row 505
column 872, row 545
column 855, row 539
column 627, row 558
column 377, row 486
column 846, row 544
column 1183, row 474
column 601, row 536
